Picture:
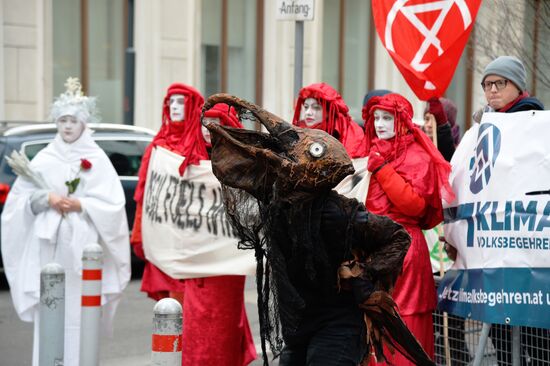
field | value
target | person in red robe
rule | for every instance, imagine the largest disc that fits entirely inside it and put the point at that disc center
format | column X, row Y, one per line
column 409, row 180
column 184, row 138
column 320, row 106
column 180, row 134
column 216, row 328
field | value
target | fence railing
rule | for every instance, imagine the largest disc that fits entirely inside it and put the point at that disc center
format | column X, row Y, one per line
column 504, row 345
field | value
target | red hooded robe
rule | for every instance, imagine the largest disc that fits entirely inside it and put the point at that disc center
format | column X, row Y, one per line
column 216, row 330
column 216, row 327
column 409, row 189
column 336, row 118
column 184, row 138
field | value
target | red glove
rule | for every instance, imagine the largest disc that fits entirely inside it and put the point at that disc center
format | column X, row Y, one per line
column 436, row 108
column 384, row 147
column 375, row 162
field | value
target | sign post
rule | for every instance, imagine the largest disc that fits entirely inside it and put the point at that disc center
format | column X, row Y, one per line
column 299, row 11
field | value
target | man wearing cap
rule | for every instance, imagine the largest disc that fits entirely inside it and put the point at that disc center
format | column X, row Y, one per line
column 505, row 86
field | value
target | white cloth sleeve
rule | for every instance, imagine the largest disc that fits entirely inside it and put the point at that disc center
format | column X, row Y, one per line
column 39, row 201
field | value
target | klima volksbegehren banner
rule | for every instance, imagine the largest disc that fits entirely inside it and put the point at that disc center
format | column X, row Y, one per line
column 502, row 273
column 184, row 228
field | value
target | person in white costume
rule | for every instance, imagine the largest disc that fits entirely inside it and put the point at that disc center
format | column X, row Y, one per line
column 42, row 224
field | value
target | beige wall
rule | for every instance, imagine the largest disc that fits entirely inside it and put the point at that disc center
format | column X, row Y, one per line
column 26, row 70
column 167, row 44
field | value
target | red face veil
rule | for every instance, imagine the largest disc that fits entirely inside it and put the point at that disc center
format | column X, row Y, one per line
column 336, row 119
column 184, row 138
column 402, row 111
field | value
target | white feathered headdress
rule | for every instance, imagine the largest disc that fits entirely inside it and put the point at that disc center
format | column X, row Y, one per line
column 73, row 102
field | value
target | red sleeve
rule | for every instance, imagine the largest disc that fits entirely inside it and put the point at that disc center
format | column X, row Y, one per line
column 136, row 239
column 400, row 193
column 142, row 174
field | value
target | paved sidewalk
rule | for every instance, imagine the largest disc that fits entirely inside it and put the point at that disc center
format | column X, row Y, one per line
column 137, row 310
column 131, row 342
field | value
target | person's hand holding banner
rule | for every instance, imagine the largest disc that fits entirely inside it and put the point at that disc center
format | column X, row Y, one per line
column 436, row 108
column 375, row 162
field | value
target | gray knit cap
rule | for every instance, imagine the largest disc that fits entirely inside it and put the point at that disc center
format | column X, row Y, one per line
column 508, row 67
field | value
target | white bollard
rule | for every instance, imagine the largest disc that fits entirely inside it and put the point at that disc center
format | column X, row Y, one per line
column 167, row 326
column 52, row 315
column 91, row 305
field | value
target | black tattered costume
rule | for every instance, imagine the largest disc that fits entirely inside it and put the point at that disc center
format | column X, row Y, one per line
column 324, row 263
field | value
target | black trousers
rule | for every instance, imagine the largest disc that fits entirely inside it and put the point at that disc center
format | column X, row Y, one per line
column 331, row 339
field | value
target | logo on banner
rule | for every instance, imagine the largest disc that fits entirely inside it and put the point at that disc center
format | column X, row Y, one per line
column 486, row 153
column 425, row 39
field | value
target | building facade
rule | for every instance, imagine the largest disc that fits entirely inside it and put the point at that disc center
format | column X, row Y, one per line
column 127, row 52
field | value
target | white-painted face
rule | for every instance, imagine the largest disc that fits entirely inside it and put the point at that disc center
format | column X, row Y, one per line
column 311, row 112
column 177, row 107
column 205, row 131
column 384, row 124
column 70, row 128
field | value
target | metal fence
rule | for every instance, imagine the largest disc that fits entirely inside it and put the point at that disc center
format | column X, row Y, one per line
column 505, row 345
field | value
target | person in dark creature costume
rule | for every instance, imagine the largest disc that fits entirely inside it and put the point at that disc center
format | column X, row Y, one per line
column 325, row 266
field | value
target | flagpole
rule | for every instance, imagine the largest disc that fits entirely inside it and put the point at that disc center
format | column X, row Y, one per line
column 445, row 315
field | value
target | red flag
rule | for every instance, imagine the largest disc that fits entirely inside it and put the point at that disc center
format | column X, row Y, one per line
column 425, row 39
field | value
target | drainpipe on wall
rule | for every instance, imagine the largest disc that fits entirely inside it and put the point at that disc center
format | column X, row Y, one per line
column 129, row 66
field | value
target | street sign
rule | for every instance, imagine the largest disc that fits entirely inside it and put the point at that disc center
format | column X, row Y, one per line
column 297, row 10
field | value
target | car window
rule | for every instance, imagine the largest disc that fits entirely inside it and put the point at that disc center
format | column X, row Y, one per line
column 125, row 155
column 32, row 149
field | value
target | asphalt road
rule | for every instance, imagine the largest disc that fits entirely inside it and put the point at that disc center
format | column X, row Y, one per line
column 131, row 343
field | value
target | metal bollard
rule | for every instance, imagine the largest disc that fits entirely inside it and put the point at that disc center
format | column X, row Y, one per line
column 167, row 326
column 51, row 315
column 91, row 305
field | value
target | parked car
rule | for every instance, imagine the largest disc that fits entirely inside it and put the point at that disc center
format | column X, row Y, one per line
column 123, row 144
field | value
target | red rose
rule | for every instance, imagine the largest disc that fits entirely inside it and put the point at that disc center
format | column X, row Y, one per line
column 85, row 164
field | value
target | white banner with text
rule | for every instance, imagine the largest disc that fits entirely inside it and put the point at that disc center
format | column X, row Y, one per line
column 500, row 222
column 184, row 227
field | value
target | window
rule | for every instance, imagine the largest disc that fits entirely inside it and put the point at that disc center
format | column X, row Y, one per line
column 211, row 46
column 346, row 50
column 88, row 42
column 125, row 155
column 33, row 148
column 231, row 47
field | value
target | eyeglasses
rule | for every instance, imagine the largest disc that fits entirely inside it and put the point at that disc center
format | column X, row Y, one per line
column 500, row 84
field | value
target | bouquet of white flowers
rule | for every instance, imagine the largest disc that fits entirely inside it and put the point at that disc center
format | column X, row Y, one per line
column 21, row 166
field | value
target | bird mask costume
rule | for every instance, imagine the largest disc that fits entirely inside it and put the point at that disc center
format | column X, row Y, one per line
column 314, row 248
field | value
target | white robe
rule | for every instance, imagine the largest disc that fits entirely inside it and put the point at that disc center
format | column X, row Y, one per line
column 30, row 241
